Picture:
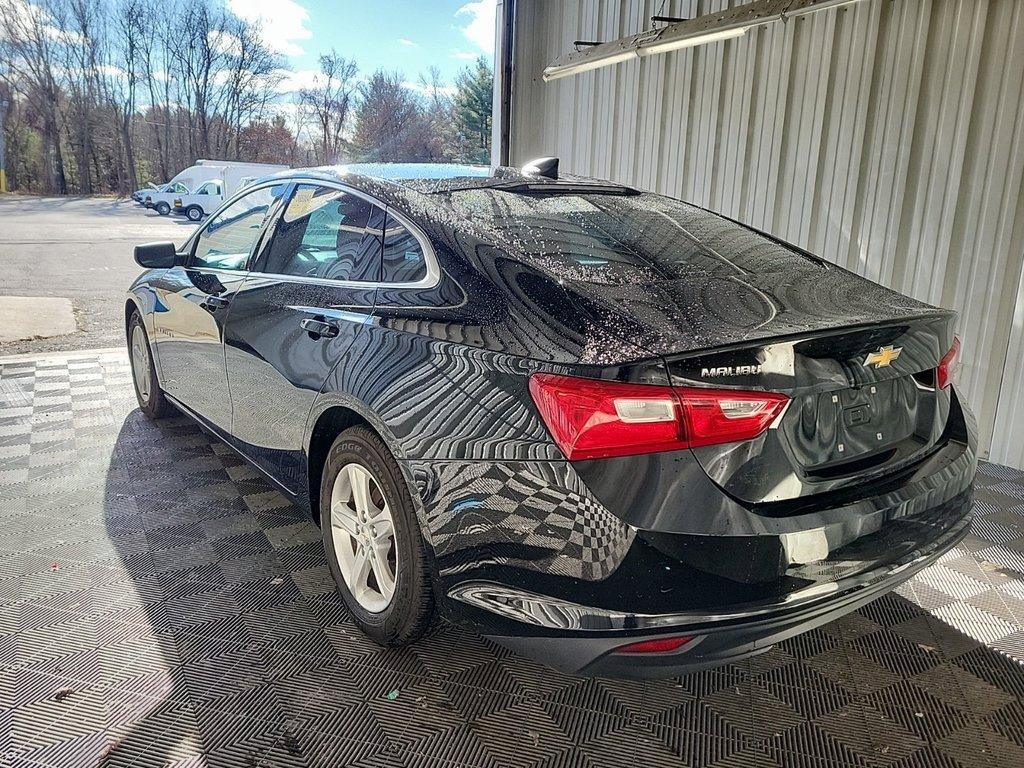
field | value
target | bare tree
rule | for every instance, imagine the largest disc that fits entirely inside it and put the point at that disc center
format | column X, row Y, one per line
column 128, row 23
column 330, row 102
column 28, row 54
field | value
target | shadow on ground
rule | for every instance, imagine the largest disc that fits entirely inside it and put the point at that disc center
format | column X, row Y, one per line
column 260, row 665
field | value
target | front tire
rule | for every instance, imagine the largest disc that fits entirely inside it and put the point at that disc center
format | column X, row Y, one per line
column 194, row 214
column 147, row 387
column 162, row 208
column 375, row 550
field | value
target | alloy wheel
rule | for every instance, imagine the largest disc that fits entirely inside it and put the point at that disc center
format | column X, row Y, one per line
column 140, row 363
column 363, row 533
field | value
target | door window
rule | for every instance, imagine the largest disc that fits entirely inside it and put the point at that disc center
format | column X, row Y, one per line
column 326, row 233
column 226, row 241
column 404, row 261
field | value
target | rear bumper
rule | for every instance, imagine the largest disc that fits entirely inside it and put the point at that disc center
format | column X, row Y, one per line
column 736, row 595
column 717, row 638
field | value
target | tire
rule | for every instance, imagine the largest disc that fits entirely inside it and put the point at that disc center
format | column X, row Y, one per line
column 407, row 613
column 194, row 214
column 147, row 386
column 162, row 208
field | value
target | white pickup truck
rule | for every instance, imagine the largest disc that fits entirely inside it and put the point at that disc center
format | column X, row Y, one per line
column 202, row 201
column 171, row 188
column 204, row 198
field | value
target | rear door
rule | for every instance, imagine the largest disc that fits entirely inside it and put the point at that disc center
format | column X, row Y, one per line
column 194, row 301
column 311, row 292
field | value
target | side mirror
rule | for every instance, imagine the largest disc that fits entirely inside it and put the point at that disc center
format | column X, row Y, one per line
column 156, row 255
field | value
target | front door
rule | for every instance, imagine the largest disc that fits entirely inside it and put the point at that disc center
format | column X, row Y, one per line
column 194, row 301
column 311, row 290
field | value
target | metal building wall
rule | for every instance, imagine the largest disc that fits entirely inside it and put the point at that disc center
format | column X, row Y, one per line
column 887, row 136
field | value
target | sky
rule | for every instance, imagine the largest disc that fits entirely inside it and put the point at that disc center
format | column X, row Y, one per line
column 404, row 35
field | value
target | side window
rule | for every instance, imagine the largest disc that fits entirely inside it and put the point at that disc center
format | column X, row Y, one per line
column 229, row 236
column 328, row 234
column 404, row 261
column 180, row 188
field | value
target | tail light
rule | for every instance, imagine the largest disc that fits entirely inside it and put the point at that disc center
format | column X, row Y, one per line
column 949, row 366
column 593, row 419
column 657, row 645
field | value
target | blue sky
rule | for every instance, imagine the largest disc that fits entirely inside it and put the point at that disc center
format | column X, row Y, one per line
column 404, row 35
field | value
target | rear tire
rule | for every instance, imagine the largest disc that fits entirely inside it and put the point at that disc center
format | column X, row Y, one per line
column 162, row 208
column 403, row 615
column 147, row 387
column 194, row 214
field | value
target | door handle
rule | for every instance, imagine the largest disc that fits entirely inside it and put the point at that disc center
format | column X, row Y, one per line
column 318, row 328
column 213, row 303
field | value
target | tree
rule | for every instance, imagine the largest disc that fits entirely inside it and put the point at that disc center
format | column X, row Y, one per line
column 329, row 103
column 472, row 109
column 268, row 142
column 392, row 124
column 105, row 93
column 28, row 56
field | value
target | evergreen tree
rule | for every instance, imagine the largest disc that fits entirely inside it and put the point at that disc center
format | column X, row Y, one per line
column 472, row 109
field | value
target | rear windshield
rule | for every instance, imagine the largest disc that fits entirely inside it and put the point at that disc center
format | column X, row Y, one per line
column 616, row 239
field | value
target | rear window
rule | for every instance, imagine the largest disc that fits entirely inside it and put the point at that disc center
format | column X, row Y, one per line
column 619, row 240
column 404, row 261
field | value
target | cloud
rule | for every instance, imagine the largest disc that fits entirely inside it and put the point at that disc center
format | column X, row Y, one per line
column 428, row 90
column 283, row 21
column 225, row 42
column 407, row 41
column 479, row 28
column 294, row 80
column 464, row 55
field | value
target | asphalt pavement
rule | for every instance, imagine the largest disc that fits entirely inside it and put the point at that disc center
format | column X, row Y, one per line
column 79, row 248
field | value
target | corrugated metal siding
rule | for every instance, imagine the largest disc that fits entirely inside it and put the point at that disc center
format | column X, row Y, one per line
column 887, row 136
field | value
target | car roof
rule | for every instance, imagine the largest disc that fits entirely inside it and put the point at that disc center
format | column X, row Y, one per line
column 407, row 175
column 434, row 178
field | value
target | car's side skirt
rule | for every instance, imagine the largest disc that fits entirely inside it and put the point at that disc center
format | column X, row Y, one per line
column 227, row 440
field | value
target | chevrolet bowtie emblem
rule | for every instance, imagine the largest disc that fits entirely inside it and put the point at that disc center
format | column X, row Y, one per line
column 883, row 357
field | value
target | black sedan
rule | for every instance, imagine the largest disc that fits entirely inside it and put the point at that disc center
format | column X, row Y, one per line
column 609, row 429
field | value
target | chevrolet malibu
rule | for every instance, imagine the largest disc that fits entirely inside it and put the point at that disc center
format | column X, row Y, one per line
column 608, row 429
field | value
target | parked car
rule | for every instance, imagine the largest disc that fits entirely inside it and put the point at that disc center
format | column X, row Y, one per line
column 196, row 180
column 161, row 205
column 139, row 194
column 609, row 429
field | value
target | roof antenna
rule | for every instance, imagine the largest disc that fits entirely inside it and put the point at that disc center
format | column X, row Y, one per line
column 542, row 166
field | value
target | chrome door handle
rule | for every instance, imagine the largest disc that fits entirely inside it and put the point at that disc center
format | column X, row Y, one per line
column 318, row 328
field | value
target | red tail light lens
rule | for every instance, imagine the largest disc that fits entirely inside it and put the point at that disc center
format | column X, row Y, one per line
column 726, row 416
column 593, row 419
column 657, row 645
column 949, row 366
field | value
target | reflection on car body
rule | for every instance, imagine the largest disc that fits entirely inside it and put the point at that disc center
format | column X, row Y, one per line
column 604, row 427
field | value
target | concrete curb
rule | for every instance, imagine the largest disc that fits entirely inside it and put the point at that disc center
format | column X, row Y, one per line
column 75, row 355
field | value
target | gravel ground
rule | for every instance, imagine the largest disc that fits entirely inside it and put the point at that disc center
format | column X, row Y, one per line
column 79, row 248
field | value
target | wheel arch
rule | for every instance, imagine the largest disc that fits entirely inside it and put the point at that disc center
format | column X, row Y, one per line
column 328, row 419
column 131, row 306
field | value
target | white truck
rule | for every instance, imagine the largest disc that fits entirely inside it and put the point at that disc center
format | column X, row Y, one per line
column 145, row 196
column 188, row 179
column 212, row 182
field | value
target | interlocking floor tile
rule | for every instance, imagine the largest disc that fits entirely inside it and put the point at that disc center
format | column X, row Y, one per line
column 161, row 605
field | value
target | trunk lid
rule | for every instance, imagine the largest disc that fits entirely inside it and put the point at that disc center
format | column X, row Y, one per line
column 863, row 404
